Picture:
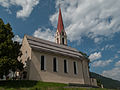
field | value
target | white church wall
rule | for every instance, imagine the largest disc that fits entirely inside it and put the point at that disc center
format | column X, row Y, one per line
column 26, row 50
column 48, row 75
column 86, row 72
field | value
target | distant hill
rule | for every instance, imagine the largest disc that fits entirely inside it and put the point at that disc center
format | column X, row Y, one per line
column 107, row 82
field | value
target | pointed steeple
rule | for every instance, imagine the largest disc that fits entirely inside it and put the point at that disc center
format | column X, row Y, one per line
column 60, row 25
column 60, row 37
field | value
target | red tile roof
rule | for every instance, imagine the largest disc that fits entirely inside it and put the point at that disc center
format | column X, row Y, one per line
column 60, row 25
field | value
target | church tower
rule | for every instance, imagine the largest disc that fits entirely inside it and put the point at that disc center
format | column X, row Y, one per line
column 60, row 37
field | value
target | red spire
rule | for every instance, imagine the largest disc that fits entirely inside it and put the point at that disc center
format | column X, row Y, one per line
column 60, row 25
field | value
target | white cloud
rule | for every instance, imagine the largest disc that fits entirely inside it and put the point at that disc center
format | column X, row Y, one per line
column 107, row 47
column 44, row 34
column 91, row 18
column 118, row 51
column 114, row 73
column 97, row 40
column 117, row 63
column 101, row 63
column 27, row 6
column 17, row 38
column 116, row 56
column 4, row 3
column 95, row 56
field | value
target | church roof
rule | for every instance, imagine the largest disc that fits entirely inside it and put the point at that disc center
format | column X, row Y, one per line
column 44, row 45
column 60, row 25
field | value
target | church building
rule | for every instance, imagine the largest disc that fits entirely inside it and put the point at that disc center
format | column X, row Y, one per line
column 54, row 61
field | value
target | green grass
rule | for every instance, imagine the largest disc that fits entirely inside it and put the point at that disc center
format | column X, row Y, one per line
column 38, row 85
column 28, row 85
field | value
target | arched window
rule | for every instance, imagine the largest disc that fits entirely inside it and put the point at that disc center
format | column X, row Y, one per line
column 57, row 40
column 75, row 67
column 62, row 40
column 55, row 65
column 42, row 63
column 63, row 33
column 65, row 66
column 26, row 54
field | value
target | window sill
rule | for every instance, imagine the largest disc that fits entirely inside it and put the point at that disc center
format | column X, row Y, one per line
column 66, row 72
column 55, row 71
column 75, row 74
column 43, row 70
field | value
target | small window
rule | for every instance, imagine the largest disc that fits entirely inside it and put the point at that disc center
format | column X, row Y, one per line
column 62, row 40
column 42, row 63
column 57, row 40
column 63, row 33
column 75, row 67
column 65, row 66
column 26, row 54
column 54, row 65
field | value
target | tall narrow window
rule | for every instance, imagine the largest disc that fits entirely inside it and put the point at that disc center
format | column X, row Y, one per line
column 75, row 67
column 57, row 40
column 26, row 54
column 54, row 65
column 42, row 63
column 65, row 66
column 63, row 33
column 62, row 40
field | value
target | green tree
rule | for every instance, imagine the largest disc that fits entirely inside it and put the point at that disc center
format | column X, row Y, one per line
column 9, row 50
column 84, row 54
column 4, row 66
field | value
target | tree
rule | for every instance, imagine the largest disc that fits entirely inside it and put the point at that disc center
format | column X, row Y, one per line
column 9, row 50
column 4, row 66
column 84, row 54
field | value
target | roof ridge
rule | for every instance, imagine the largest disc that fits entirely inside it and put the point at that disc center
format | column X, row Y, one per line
column 58, row 45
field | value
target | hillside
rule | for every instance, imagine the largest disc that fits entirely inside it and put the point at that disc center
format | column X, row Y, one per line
column 107, row 82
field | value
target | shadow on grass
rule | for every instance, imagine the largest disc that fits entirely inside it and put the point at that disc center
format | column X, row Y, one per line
column 17, row 83
column 35, row 85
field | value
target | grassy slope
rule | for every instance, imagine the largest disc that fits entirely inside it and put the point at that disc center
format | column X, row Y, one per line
column 35, row 85
column 28, row 84
column 107, row 82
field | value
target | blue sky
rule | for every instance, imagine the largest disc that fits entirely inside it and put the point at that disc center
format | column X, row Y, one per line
column 92, row 26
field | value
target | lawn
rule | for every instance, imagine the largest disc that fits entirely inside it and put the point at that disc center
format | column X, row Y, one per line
column 37, row 85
